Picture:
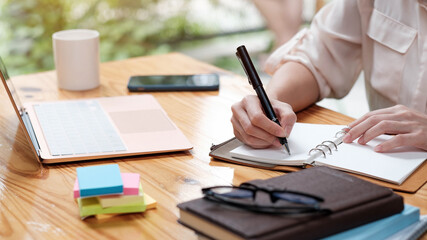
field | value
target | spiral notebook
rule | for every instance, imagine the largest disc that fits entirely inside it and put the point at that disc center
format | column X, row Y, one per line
column 321, row 145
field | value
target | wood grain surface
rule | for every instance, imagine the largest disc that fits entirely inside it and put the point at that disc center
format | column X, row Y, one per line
column 36, row 200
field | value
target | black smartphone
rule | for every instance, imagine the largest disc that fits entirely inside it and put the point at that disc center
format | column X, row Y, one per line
column 151, row 83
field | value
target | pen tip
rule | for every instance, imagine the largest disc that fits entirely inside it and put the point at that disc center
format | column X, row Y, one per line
column 287, row 148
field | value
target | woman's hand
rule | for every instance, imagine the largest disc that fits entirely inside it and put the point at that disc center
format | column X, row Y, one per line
column 408, row 126
column 252, row 127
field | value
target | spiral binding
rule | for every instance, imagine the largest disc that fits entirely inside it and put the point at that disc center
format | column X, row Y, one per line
column 317, row 149
column 323, row 146
column 334, row 144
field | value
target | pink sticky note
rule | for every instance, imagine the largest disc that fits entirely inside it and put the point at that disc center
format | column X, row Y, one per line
column 76, row 189
column 130, row 185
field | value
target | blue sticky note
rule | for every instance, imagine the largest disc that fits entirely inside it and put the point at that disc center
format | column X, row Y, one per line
column 99, row 180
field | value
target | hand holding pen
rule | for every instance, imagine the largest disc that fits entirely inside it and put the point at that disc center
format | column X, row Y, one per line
column 240, row 121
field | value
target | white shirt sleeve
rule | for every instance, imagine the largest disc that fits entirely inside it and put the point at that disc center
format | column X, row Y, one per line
column 330, row 49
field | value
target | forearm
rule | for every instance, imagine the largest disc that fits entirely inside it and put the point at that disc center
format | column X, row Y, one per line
column 294, row 84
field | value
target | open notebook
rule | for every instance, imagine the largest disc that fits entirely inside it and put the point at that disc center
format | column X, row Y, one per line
column 314, row 144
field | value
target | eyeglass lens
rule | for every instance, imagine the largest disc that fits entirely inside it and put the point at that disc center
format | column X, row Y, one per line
column 295, row 198
column 238, row 193
column 233, row 192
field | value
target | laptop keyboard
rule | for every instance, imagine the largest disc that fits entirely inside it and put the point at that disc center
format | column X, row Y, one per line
column 77, row 127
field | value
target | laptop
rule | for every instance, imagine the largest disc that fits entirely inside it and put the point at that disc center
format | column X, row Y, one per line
column 107, row 127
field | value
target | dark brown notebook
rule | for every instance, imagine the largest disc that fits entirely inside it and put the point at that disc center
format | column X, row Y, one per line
column 222, row 152
column 352, row 202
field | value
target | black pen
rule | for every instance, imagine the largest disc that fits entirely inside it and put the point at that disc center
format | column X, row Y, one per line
column 256, row 83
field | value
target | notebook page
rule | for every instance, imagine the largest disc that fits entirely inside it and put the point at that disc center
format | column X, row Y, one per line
column 394, row 166
column 304, row 136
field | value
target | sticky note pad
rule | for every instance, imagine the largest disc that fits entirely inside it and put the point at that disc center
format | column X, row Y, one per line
column 118, row 200
column 131, row 182
column 76, row 190
column 99, row 180
column 91, row 206
column 150, row 203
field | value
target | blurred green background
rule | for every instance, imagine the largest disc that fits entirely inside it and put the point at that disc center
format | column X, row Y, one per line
column 129, row 28
column 208, row 30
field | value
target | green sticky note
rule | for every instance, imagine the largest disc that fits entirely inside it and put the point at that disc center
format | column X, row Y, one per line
column 92, row 206
column 119, row 200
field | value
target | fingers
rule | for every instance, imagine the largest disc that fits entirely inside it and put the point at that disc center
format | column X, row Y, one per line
column 408, row 126
column 287, row 119
column 368, row 122
column 252, row 127
column 390, row 110
column 386, row 126
column 396, row 141
column 248, row 133
column 371, row 119
column 257, row 118
column 263, row 140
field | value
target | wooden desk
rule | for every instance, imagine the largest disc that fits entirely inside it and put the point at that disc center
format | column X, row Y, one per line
column 37, row 202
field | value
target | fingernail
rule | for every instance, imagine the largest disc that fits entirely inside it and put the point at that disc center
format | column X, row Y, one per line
column 378, row 148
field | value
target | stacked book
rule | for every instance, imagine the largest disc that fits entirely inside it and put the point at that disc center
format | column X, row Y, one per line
column 358, row 210
column 104, row 189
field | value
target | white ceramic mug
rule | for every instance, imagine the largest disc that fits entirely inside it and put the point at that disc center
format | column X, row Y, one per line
column 76, row 54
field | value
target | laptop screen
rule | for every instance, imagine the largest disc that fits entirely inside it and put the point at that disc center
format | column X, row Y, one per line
column 10, row 88
column 19, row 109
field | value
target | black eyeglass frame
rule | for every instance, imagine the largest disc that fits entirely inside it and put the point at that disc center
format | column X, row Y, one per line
column 272, row 209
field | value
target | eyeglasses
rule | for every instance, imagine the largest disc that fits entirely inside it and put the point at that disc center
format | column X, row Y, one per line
column 281, row 201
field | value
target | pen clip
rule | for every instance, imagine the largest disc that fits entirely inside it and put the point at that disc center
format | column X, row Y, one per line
column 243, row 66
